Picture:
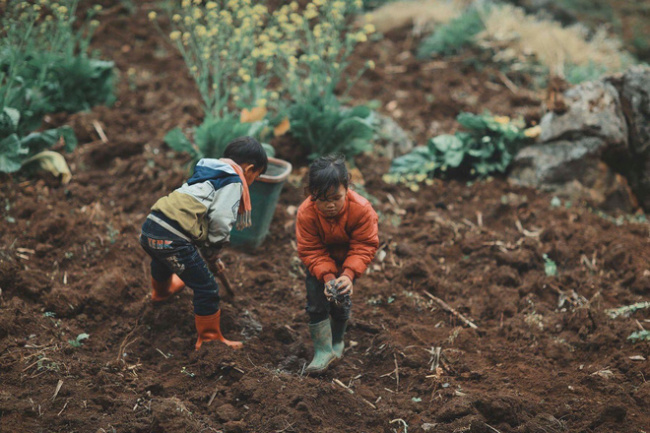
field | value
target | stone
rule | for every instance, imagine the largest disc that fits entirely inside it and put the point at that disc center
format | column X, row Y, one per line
column 598, row 150
column 594, row 110
column 392, row 137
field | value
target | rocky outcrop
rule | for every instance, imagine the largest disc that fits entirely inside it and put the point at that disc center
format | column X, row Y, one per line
column 599, row 148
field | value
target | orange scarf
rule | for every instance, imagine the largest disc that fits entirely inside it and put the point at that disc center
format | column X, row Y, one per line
column 244, row 213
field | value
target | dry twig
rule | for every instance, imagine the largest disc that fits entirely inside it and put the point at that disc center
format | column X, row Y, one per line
column 445, row 306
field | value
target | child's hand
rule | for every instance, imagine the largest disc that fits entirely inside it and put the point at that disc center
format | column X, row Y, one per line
column 345, row 285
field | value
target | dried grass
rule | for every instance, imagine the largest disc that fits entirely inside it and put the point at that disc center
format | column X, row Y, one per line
column 521, row 36
column 418, row 13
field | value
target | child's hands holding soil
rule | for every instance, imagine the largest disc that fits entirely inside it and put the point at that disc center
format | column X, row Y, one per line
column 345, row 285
column 336, row 289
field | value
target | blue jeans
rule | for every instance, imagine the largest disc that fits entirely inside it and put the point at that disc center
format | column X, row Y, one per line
column 171, row 254
column 319, row 308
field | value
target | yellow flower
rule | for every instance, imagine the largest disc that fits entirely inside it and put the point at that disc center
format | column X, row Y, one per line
column 234, row 90
column 533, row 132
column 152, row 15
column 97, row 8
column 361, row 37
column 197, row 2
column 186, row 36
column 371, row 64
column 358, row 3
column 246, row 78
column 261, row 102
column 310, row 12
column 201, row 31
column 319, row 2
column 294, row 6
column 175, row 35
column 198, row 13
column 176, row 18
column 94, row 23
column 185, row 3
column 369, row 28
column 187, row 20
column 501, row 119
column 414, row 187
column 317, row 31
column 63, row 10
column 297, row 19
column 210, row 5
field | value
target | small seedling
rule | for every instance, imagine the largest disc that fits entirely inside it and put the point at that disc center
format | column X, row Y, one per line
column 78, row 341
column 549, row 266
column 187, row 372
column 627, row 310
column 639, row 336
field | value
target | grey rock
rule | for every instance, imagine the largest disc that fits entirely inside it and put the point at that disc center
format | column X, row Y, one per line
column 250, row 325
column 599, row 149
column 594, row 110
column 573, row 170
column 550, row 165
column 635, row 97
column 390, row 136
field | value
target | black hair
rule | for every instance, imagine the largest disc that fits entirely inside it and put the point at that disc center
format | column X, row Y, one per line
column 327, row 173
column 247, row 150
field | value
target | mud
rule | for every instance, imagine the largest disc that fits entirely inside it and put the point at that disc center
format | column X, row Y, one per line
column 70, row 263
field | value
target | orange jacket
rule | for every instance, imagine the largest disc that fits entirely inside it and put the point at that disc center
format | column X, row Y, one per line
column 342, row 245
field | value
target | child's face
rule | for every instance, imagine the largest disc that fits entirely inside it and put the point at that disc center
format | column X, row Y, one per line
column 250, row 174
column 333, row 202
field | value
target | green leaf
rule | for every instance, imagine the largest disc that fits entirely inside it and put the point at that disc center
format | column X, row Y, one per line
column 177, row 140
column 38, row 141
column 13, row 117
column 444, row 143
column 270, row 150
column 454, row 158
column 417, row 161
column 12, row 153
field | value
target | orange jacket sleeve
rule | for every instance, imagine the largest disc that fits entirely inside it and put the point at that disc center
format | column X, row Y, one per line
column 364, row 242
column 311, row 249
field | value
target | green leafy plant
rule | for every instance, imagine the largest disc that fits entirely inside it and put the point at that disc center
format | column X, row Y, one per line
column 326, row 128
column 639, row 336
column 16, row 151
column 576, row 74
column 77, row 342
column 454, row 36
column 44, row 67
column 486, row 146
column 627, row 310
column 288, row 61
column 212, row 136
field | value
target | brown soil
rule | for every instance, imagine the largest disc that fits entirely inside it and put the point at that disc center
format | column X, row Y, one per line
column 70, row 263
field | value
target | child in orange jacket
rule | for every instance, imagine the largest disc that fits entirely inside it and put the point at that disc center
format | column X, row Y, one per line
column 337, row 236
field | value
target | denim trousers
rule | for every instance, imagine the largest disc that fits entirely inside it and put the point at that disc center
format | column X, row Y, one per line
column 319, row 308
column 171, row 254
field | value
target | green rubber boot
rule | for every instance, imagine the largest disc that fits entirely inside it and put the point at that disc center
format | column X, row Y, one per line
column 321, row 335
column 338, row 331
